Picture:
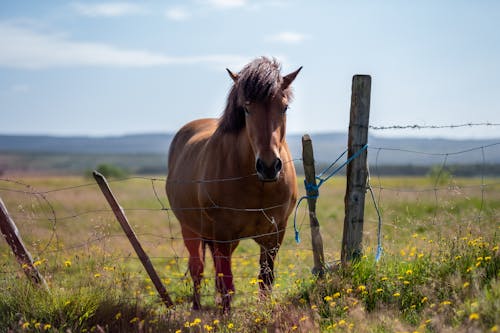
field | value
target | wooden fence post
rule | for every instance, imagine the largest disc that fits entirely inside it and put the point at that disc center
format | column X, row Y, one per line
column 13, row 238
column 356, row 171
column 312, row 194
column 122, row 219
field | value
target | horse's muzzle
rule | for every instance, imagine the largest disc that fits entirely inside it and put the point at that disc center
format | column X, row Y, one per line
column 268, row 173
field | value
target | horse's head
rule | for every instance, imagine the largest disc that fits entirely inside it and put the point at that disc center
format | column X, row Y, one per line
column 261, row 101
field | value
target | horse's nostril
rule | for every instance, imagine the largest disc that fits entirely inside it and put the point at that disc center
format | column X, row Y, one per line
column 259, row 166
column 278, row 165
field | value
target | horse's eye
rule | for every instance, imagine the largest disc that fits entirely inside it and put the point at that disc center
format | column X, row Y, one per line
column 285, row 108
column 246, row 110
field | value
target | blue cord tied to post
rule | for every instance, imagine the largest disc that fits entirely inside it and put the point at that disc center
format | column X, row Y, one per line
column 315, row 188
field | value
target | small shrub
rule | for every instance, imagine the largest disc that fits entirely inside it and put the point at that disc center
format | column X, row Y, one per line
column 109, row 171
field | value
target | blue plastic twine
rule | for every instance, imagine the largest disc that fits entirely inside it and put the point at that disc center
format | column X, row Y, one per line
column 311, row 187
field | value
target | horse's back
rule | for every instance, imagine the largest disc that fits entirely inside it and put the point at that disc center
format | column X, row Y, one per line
column 187, row 141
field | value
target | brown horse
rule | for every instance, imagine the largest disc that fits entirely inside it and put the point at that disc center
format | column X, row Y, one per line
column 233, row 177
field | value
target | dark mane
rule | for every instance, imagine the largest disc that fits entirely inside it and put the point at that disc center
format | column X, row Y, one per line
column 258, row 81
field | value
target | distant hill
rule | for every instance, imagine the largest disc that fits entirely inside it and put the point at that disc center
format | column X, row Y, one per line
column 148, row 152
column 127, row 144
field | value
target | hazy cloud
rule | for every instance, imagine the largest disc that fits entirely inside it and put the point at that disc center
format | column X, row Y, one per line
column 108, row 9
column 177, row 14
column 27, row 49
column 288, row 37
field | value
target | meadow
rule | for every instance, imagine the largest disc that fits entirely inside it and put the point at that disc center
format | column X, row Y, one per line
column 438, row 271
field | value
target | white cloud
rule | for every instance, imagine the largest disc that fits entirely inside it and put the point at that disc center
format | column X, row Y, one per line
column 288, row 37
column 177, row 14
column 222, row 4
column 27, row 49
column 108, row 9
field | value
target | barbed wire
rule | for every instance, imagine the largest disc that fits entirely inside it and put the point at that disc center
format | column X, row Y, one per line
column 417, row 126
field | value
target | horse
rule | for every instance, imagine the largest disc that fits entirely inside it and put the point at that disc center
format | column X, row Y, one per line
column 233, row 178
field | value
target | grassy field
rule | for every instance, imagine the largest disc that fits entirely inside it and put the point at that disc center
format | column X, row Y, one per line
column 438, row 271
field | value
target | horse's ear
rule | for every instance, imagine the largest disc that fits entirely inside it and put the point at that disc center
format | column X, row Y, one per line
column 232, row 75
column 288, row 79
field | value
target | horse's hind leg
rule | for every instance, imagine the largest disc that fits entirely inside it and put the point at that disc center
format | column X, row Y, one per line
column 194, row 244
column 221, row 253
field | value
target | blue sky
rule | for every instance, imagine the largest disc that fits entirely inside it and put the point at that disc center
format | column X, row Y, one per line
column 111, row 68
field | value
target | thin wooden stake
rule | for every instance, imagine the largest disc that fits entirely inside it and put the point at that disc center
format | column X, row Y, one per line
column 357, row 171
column 122, row 219
column 13, row 238
column 312, row 194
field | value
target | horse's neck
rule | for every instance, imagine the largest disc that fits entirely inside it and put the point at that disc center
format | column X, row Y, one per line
column 234, row 151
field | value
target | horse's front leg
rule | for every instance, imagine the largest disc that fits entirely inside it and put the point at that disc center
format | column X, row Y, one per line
column 266, row 274
column 269, row 247
column 194, row 244
column 221, row 253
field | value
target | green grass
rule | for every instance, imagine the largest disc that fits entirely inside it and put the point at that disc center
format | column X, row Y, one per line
column 438, row 273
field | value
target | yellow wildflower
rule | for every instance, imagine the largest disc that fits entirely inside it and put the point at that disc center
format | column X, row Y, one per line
column 465, row 285
column 67, row 263
column 361, row 288
column 336, row 295
column 379, row 290
column 47, row 327
column 396, row 294
column 409, row 272
column 328, row 298
column 494, row 329
column 230, row 325
column 445, row 303
column 38, row 325
column 342, row 323
column 216, row 321
column 25, row 325
column 474, row 316
column 207, row 327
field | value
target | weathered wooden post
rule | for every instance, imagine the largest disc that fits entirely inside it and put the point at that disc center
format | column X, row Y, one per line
column 13, row 238
column 312, row 194
column 122, row 219
column 356, row 171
